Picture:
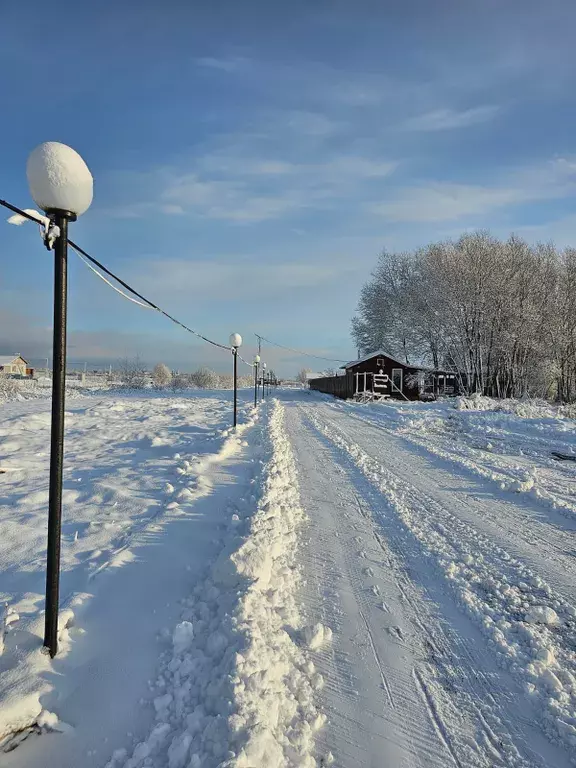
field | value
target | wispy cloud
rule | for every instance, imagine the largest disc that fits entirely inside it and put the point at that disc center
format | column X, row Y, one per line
column 313, row 124
column 450, row 119
column 442, row 201
column 241, row 189
column 196, row 278
column 446, row 201
column 224, row 63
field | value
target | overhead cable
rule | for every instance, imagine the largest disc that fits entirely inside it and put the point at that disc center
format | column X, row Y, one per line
column 299, row 351
column 39, row 219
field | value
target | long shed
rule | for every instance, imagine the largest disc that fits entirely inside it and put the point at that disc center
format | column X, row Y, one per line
column 378, row 375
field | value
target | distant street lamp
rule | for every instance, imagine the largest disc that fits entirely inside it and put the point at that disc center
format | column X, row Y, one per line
column 235, row 342
column 256, row 364
column 62, row 186
column 263, row 379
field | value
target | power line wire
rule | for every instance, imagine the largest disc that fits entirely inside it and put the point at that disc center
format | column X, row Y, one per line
column 114, row 288
column 81, row 252
column 147, row 301
column 298, row 351
column 83, row 255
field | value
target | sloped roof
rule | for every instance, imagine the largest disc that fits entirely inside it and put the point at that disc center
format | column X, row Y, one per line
column 378, row 353
column 9, row 359
column 382, row 353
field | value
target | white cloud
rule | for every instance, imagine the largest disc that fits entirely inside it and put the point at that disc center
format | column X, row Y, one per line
column 197, row 279
column 254, row 209
column 447, row 201
column 313, row 124
column 224, row 64
column 351, row 166
column 227, row 185
column 272, row 167
column 444, row 201
column 359, row 94
column 449, row 119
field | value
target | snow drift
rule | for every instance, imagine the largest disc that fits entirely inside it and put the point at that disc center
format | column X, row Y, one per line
column 235, row 688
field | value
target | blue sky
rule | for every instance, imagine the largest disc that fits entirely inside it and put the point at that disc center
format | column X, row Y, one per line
column 251, row 159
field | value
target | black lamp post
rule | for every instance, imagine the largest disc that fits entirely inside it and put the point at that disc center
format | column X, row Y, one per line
column 235, row 342
column 263, row 380
column 62, row 186
column 256, row 363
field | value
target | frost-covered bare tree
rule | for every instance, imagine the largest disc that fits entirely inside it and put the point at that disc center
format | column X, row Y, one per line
column 302, row 375
column 225, row 381
column 205, row 378
column 384, row 318
column 161, row 376
column 132, row 372
column 502, row 314
column 179, row 381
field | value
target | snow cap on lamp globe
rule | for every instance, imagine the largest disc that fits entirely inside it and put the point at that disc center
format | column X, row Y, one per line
column 59, row 179
column 256, row 358
column 235, row 340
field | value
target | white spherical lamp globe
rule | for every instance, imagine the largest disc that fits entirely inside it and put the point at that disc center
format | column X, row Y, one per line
column 235, row 340
column 256, row 359
column 263, row 365
column 59, row 179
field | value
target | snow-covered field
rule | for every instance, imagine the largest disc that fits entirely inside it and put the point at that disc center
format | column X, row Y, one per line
column 333, row 584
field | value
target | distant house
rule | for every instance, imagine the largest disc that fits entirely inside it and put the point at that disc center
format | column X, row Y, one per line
column 14, row 365
column 379, row 376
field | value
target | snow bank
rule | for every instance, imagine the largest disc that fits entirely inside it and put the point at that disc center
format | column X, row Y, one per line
column 18, row 390
column 234, row 689
column 525, row 408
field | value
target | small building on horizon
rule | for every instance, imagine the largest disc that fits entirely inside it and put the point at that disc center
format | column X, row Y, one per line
column 15, row 365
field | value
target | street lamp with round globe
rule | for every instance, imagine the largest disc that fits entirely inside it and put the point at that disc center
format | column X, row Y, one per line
column 235, row 340
column 256, row 364
column 62, row 186
column 59, row 179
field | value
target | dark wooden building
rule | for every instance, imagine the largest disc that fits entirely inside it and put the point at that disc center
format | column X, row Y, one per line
column 378, row 376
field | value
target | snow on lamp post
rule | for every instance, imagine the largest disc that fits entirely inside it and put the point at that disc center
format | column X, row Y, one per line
column 263, row 379
column 256, row 364
column 61, row 185
column 235, row 342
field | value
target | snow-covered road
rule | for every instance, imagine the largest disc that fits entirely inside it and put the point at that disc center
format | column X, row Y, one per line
column 333, row 585
column 433, row 577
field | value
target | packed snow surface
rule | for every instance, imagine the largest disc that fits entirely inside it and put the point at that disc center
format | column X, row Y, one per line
column 330, row 584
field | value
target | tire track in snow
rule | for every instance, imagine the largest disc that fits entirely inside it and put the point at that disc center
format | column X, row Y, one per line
column 385, row 683
column 332, row 488
column 434, row 716
column 523, row 647
column 440, row 649
column 523, row 534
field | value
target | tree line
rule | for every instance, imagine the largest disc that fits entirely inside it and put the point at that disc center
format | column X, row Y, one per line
column 133, row 374
column 502, row 314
